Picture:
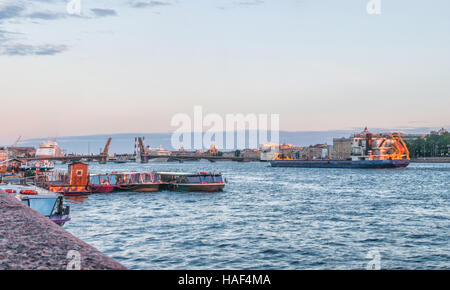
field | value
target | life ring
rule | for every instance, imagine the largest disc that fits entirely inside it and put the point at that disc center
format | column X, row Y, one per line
column 28, row 192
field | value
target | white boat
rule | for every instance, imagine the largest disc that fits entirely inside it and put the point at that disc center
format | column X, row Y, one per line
column 49, row 149
column 269, row 151
column 43, row 165
column 165, row 154
column 47, row 203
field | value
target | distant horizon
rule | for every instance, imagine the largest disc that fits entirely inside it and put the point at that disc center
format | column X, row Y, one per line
column 124, row 142
column 139, row 134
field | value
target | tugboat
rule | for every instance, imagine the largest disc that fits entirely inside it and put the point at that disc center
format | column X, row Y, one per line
column 47, row 203
column 138, row 182
column 368, row 151
column 193, row 182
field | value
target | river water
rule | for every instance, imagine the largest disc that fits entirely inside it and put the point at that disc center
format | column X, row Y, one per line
column 275, row 218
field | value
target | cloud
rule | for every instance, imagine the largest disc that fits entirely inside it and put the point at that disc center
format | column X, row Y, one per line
column 25, row 49
column 250, row 2
column 6, row 36
column 151, row 3
column 46, row 15
column 28, row 12
column 99, row 12
column 239, row 3
column 11, row 11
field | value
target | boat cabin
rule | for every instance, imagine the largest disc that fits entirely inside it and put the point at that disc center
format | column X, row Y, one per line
column 78, row 173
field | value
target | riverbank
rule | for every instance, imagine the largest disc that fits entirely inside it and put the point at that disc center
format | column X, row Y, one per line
column 30, row 241
column 431, row 160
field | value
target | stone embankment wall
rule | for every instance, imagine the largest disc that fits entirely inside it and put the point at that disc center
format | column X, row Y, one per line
column 30, row 241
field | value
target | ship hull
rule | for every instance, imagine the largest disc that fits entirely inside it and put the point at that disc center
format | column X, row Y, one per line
column 69, row 189
column 363, row 164
column 104, row 188
column 144, row 187
column 197, row 187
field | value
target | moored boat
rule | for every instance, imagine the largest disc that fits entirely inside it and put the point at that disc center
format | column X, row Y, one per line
column 362, row 164
column 102, row 183
column 49, row 149
column 44, row 165
column 193, row 182
column 47, row 203
column 75, row 182
column 138, row 182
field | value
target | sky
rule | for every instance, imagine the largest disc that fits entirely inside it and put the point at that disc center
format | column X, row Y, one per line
column 130, row 65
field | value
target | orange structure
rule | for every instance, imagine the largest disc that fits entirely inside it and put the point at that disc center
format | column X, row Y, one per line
column 78, row 181
column 78, row 173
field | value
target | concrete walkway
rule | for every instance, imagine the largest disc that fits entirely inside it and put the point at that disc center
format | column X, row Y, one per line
column 29, row 241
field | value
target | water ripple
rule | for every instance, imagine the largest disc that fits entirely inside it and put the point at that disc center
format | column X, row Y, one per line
column 275, row 218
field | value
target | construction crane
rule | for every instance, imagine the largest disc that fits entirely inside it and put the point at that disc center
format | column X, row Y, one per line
column 13, row 145
column 105, row 152
column 17, row 141
column 399, row 146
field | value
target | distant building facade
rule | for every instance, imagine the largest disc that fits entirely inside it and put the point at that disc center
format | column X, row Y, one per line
column 342, row 148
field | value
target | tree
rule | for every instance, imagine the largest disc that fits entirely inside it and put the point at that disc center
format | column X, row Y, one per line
column 434, row 145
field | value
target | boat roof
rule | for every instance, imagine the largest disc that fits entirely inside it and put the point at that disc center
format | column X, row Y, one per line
column 188, row 173
column 42, row 193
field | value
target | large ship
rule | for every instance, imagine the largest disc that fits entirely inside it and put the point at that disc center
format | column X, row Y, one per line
column 49, row 149
column 367, row 151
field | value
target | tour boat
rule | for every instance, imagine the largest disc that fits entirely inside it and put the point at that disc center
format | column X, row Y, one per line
column 44, row 165
column 102, row 183
column 138, row 182
column 194, row 182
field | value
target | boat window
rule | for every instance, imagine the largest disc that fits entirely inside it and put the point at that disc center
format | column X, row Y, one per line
column 193, row 179
column 95, row 180
column 147, row 177
column 218, row 178
column 112, row 179
column 134, row 178
column 167, row 178
column 103, row 179
column 207, row 178
column 43, row 205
